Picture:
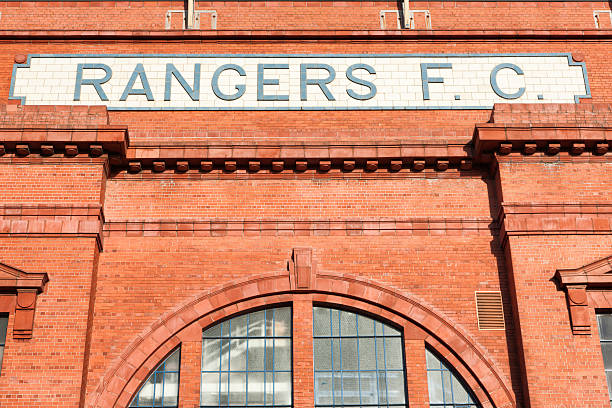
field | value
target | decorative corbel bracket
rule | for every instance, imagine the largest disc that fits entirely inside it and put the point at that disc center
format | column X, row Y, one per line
column 301, row 269
column 25, row 287
column 576, row 282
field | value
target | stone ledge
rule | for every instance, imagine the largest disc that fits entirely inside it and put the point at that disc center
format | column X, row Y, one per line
column 359, row 226
column 143, row 35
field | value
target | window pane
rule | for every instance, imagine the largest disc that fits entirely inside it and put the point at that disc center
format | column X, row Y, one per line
column 223, row 389
column 459, row 392
column 322, row 354
column 321, row 322
column 337, row 388
column 282, row 354
column 257, row 353
column 367, row 359
column 350, row 387
column 349, row 352
column 365, row 325
column 270, row 388
column 393, row 353
column 432, row 361
column 172, row 362
column 348, row 324
column 336, row 354
column 238, row 348
column 171, row 390
column 210, row 354
column 3, row 326
column 395, row 387
column 209, row 391
column 255, row 364
column 282, row 389
column 214, row 331
column 606, row 350
column 237, row 386
column 605, row 326
column 323, row 389
column 147, row 393
column 161, row 388
column 256, row 388
column 238, row 326
column 382, row 388
column 604, row 321
column 282, row 322
column 369, row 387
column 367, row 365
column 445, row 386
column 434, row 383
column 257, row 324
column 335, row 322
column 225, row 350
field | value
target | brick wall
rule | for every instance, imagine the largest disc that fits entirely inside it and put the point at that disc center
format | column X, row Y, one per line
column 164, row 238
column 258, row 15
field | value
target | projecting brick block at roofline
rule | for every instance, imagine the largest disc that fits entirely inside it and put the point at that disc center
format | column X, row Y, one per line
column 591, row 115
column 52, row 116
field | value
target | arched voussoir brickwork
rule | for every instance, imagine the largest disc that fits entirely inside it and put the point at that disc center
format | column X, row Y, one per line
column 186, row 322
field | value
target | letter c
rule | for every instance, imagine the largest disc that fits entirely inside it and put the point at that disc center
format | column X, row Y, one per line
column 239, row 88
column 496, row 88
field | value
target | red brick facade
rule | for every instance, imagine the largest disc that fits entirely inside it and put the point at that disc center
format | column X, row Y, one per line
column 124, row 233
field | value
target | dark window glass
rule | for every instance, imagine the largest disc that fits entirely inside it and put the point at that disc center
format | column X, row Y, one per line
column 446, row 389
column 604, row 322
column 246, row 361
column 161, row 388
column 358, row 361
column 3, row 327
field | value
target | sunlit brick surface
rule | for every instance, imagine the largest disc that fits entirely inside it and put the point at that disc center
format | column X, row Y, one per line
column 153, row 226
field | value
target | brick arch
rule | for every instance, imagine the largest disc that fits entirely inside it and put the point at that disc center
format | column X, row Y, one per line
column 144, row 353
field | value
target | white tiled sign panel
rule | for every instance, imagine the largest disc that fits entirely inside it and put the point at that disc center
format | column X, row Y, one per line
column 474, row 81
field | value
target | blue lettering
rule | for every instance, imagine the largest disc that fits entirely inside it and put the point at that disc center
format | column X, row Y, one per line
column 496, row 88
column 261, row 81
column 194, row 93
column 322, row 83
column 426, row 80
column 359, row 81
column 239, row 88
column 139, row 72
column 97, row 83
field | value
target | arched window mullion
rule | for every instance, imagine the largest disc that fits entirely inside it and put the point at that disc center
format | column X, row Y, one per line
column 460, row 396
column 168, row 397
column 255, row 375
column 353, row 374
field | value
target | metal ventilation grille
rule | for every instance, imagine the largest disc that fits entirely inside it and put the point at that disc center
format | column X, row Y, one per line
column 490, row 311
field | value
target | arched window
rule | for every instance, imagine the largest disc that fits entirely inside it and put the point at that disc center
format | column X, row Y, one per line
column 446, row 389
column 161, row 388
column 246, row 361
column 358, row 361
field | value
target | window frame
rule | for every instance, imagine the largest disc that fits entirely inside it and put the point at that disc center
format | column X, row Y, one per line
column 602, row 312
column 445, row 366
column 377, row 320
column 246, row 371
column 135, row 398
column 3, row 317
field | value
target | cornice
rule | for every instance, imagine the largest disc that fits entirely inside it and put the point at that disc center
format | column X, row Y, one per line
column 594, row 274
column 551, row 139
column 266, row 35
column 13, row 279
column 41, row 220
column 576, row 283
